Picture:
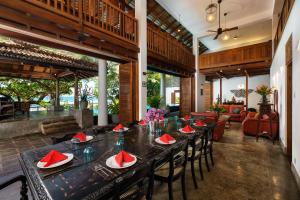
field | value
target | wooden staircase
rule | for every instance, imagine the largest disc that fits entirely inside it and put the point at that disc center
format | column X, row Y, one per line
column 59, row 125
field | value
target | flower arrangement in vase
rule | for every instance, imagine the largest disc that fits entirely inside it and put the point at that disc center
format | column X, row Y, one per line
column 264, row 91
column 153, row 116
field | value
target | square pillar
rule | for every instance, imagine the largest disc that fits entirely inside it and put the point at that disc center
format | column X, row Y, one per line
column 199, row 79
column 141, row 16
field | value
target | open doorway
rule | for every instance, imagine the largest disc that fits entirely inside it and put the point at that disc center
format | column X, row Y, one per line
column 289, row 97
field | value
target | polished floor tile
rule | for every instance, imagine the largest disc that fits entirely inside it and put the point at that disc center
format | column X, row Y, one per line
column 244, row 170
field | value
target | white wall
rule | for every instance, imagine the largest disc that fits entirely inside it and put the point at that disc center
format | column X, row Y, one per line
column 169, row 91
column 232, row 84
column 278, row 80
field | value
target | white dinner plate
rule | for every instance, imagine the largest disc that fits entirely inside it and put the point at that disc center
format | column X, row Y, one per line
column 161, row 142
column 186, row 132
column 195, row 124
column 42, row 164
column 122, row 130
column 88, row 138
column 111, row 162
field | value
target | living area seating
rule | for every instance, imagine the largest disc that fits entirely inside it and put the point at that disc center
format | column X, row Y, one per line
column 219, row 130
column 252, row 125
column 237, row 112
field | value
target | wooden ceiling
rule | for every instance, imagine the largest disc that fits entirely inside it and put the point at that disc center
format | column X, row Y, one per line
column 168, row 23
column 251, row 60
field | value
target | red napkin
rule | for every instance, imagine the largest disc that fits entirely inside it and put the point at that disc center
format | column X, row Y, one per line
column 53, row 157
column 123, row 157
column 142, row 123
column 188, row 129
column 119, row 127
column 166, row 138
column 81, row 136
column 200, row 123
column 187, row 117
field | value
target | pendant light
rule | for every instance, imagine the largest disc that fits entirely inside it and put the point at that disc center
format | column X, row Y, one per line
column 226, row 35
column 211, row 12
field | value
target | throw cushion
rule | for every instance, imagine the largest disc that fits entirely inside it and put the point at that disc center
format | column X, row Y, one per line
column 265, row 117
column 237, row 111
column 256, row 116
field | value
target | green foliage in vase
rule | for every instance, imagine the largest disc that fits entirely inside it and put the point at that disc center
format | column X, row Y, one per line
column 263, row 90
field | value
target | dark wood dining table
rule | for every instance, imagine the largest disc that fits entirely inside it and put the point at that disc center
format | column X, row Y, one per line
column 87, row 176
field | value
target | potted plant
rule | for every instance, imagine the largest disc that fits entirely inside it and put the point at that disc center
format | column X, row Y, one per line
column 154, row 101
column 114, row 110
column 264, row 91
column 85, row 95
column 217, row 109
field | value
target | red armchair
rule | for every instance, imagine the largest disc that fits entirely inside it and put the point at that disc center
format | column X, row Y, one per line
column 230, row 111
column 250, row 124
column 219, row 130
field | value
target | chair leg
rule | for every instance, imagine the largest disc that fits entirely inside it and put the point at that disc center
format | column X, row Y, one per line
column 206, row 162
column 170, row 189
column 183, row 186
column 211, row 157
column 193, row 173
column 200, row 168
column 24, row 190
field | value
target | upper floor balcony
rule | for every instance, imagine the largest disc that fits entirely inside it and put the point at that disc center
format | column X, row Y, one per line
column 95, row 23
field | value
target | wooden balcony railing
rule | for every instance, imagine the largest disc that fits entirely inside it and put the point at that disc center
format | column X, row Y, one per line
column 97, row 14
column 169, row 48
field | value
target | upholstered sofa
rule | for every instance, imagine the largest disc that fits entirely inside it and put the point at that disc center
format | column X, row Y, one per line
column 208, row 116
column 237, row 112
column 250, row 124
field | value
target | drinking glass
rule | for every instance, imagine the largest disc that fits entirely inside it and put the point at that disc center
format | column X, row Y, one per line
column 178, row 125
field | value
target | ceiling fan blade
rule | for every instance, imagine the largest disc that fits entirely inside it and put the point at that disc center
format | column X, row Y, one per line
column 231, row 29
column 216, row 36
column 212, row 31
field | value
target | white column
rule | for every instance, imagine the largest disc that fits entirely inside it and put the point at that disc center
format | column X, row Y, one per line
column 163, row 88
column 199, row 78
column 102, row 97
column 141, row 16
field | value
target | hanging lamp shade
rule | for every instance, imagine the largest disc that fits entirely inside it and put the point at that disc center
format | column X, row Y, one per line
column 211, row 12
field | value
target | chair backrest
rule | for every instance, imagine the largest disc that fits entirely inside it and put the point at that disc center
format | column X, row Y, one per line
column 208, row 133
column 178, row 158
column 62, row 139
column 197, row 143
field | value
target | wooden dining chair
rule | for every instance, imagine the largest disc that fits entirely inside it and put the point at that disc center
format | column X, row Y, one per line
column 173, row 169
column 135, row 191
column 208, row 144
column 11, row 179
column 195, row 151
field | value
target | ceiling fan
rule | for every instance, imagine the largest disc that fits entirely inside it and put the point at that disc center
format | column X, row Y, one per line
column 220, row 30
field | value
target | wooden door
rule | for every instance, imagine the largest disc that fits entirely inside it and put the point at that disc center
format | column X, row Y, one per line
column 289, row 97
column 208, row 95
column 128, row 92
column 185, row 96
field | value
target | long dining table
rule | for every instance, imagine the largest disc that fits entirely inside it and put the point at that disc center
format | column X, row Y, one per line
column 87, row 176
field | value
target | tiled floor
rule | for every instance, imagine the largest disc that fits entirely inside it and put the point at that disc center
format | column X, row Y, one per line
column 244, row 170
